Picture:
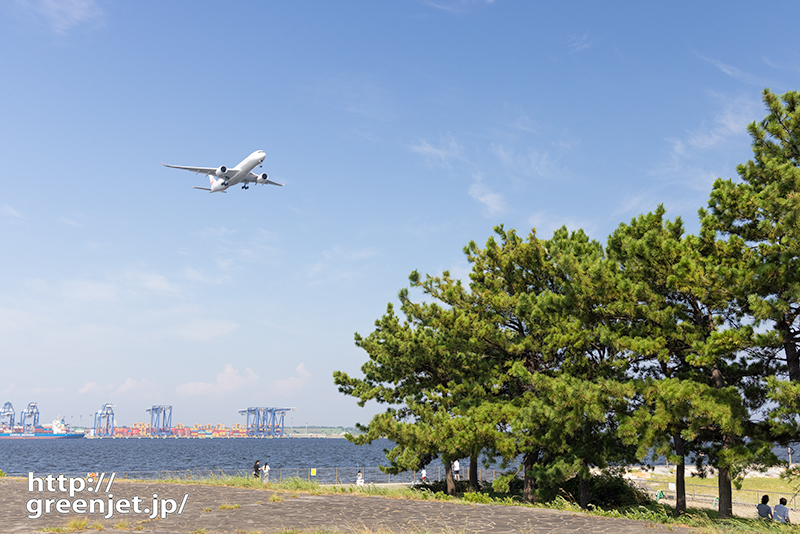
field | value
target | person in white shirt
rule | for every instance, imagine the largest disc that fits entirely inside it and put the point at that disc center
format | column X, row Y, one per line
column 780, row 513
column 265, row 473
column 456, row 469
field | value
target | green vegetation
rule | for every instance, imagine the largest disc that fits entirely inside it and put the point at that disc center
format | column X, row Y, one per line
column 229, row 506
column 72, row 526
column 576, row 356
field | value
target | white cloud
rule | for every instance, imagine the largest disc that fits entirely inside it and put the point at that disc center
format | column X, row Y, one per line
column 8, row 211
column 533, row 163
column 292, row 384
column 132, row 386
column 94, row 387
column 455, row 6
column 448, row 150
column 228, row 381
column 340, row 264
column 707, row 152
column 491, row 199
column 70, row 222
column 733, row 72
column 580, row 43
column 62, row 15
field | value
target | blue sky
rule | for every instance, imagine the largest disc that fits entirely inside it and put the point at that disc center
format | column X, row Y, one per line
column 402, row 130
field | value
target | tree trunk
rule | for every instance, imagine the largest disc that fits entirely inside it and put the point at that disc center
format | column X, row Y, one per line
column 725, row 493
column 529, row 484
column 680, row 475
column 473, row 471
column 448, row 476
column 790, row 349
column 583, row 482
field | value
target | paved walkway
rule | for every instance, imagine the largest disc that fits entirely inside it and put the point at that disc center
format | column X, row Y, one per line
column 256, row 513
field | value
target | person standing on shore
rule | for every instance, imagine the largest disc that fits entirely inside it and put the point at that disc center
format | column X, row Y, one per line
column 424, row 475
column 456, row 470
column 764, row 511
column 265, row 473
column 257, row 469
column 781, row 513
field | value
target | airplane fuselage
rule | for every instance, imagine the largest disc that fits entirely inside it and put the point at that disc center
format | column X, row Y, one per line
column 221, row 178
column 237, row 174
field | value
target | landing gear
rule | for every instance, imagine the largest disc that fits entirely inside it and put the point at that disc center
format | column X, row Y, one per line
column 245, row 186
column 225, row 183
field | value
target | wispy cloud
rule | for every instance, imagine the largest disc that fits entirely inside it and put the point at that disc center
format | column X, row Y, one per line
column 340, row 264
column 581, row 42
column 733, row 72
column 447, row 150
column 728, row 125
column 456, row 6
column 533, row 162
column 94, row 387
column 8, row 211
column 135, row 386
column 357, row 94
column 70, row 222
column 227, row 382
column 491, row 199
column 292, row 384
column 62, row 15
column 775, row 65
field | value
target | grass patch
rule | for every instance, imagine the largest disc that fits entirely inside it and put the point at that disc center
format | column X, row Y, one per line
column 275, row 498
column 229, row 506
column 121, row 525
column 72, row 526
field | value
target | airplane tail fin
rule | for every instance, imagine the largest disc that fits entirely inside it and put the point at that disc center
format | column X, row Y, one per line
column 211, row 179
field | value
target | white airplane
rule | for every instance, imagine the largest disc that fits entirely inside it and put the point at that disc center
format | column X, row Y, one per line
column 225, row 177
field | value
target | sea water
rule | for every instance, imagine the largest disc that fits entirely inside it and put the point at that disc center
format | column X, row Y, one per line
column 19, row 456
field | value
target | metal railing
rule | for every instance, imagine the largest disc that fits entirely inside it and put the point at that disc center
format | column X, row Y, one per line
column 698, row 492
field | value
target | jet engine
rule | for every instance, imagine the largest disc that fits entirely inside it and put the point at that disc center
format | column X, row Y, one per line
column 221, row 171
column 263, row 178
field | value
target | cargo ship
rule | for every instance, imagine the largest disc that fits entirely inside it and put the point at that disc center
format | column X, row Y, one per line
column 59, row 430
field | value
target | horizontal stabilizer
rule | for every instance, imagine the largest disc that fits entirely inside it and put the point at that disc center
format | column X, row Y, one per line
column 203, row 188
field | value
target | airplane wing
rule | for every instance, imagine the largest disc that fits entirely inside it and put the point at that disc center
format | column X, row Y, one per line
column 199, row 170
column 253, row 178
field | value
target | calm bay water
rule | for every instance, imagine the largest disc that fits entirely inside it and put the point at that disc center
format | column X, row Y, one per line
column 120, row 455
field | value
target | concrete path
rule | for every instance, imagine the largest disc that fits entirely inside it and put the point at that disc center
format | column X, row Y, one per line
column 213, row 509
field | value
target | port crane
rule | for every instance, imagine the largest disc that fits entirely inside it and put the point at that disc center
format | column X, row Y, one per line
column 31, row 412
column 265, row 422
column 104, row 421
column 160, row 420
column 7, row 416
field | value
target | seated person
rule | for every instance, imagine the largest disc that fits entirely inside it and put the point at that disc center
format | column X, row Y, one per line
column 764, row 511
column 781, row 513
